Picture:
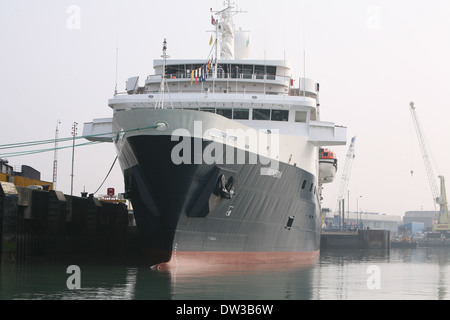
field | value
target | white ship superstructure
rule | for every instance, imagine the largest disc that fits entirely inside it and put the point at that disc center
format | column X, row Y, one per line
column 251, row 97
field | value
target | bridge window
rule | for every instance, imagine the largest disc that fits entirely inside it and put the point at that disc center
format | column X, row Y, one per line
column 246, row 71
column 261, row 70
column 301, row 116
column 210, row 110
column 280, row 115
column 175, row 71
column 227, row 113
column 241, row 114
column 261, row 114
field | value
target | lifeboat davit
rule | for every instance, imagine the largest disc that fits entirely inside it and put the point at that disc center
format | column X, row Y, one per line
column 328, row 166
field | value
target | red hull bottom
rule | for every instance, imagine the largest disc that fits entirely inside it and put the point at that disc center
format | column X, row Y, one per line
column 188, row 260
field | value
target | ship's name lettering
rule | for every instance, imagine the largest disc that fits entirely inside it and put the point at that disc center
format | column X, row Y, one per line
column 274, row 173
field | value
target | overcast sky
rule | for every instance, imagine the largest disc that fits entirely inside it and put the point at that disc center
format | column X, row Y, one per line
column 372, row 58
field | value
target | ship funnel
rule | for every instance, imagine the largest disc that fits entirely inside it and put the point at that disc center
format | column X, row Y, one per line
column 242, row 44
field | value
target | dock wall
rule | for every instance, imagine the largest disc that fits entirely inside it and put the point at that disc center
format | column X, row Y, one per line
column 362, row 239
column 51, row 226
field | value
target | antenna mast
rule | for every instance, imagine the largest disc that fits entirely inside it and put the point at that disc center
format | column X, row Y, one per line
column 160, row 104
column 225, row 30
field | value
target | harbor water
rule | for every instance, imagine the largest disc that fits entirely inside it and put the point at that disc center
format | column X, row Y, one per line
column 398, row 274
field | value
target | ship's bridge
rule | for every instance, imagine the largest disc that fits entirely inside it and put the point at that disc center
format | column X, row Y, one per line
column 269, row 77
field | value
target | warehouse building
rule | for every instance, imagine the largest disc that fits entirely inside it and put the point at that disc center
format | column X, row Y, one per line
column 27, row 177
column 362, row 220
column 428, row 218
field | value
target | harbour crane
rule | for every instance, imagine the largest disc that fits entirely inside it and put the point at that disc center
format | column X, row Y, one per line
column 346, row 173
column 439, row 197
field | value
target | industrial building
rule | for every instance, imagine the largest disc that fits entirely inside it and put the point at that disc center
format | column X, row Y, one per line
column 411, row 229
column 27, row 177
column 428, row 218
column 363, row 220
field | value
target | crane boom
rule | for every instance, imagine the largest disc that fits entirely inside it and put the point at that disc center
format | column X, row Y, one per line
column 439, row 198
column 347, row 171
column 425, row 153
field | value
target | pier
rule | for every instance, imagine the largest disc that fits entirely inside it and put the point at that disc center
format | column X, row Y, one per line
column 37, row 225
column 360, row 239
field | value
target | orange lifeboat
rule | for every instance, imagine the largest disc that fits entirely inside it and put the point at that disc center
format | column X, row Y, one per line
column 328, row 165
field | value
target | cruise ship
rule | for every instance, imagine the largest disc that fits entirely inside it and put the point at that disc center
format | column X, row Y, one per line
column 221, row 156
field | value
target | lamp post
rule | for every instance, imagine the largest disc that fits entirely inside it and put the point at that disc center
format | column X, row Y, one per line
column 74, row 134
column 357, row 211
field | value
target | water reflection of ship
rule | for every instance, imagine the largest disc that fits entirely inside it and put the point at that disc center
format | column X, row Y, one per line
column 282, row 282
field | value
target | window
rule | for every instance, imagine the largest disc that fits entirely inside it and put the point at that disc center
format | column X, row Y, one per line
column 271, row 73
column 241, row 114
column 247, row 70
column 177, row 70
column 304, row 184
column 227, row 113
column 261, row 114
column 210, row 110
column 235, row 71
column 301, row 116
column 261, row 70
column 280, row 115
column 290, row 222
